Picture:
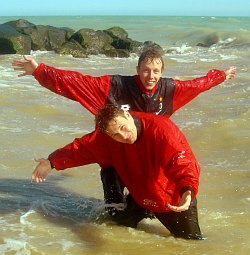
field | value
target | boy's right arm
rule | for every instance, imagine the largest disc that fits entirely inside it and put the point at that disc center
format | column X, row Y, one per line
column 89, row 91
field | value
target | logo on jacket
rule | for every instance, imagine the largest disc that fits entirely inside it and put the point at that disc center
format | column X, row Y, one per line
column 149, row 202
column 160, row 106
column 125, row 107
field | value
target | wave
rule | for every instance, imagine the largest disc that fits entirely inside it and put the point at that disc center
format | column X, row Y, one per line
column 212, row 38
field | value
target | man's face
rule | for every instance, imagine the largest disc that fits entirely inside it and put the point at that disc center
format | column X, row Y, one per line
column 150, row 72
column 122, row 129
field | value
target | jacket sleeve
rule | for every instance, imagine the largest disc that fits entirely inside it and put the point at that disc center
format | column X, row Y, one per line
column 180, row 164
column 91, row 92
column 185, row 91
column 186, row 172
column 72, row 155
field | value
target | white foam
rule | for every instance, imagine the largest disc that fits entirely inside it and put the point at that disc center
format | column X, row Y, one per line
column 226, row 57
column 13, row 245
column 180, row 50
column 66, row 244
column 12, row 129
column 208, row 60
column 23, row 218
column 70, row 130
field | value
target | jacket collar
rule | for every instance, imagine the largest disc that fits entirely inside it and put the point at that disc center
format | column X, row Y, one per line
column 138, row 124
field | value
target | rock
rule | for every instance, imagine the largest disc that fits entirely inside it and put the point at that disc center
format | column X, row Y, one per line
column 116, row 32
column 121, row 40
column 46, row 37
column 209, row 40
column 94, row 42
column 118, row 53
column 42, row 37
column 72, row 48
column 13, row 42
column 149, row 44
column 21, row 36
column 20, row 24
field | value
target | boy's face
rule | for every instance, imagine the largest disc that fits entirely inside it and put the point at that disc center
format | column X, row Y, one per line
column 122, row 129
column 150, row 72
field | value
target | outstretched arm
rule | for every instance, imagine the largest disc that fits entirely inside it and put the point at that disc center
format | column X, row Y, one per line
column 185, row 91
column 27, row 67
column 91, row 92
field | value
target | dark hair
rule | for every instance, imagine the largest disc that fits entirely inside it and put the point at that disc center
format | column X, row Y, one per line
column 105, row 115
column 151, row 54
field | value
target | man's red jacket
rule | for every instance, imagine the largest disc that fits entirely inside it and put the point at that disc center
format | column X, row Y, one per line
column 156, row 169
column 127, row 91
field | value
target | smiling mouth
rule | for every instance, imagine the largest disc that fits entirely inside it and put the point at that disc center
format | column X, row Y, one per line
column 150, row 83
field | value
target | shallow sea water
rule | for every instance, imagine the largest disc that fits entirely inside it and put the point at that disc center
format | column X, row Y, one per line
column 65, row 215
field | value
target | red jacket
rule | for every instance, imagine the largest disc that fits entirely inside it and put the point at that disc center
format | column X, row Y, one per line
column 156, row 169
column 94, row 92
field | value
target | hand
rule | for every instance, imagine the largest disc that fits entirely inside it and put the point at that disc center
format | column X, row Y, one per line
column 28, row 66
column 42, row 170
column 184, row 204
column 230, row 73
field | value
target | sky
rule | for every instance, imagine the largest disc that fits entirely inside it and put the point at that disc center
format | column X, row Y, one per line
column 126, row 7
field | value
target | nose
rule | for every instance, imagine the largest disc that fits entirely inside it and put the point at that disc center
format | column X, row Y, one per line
column 151, row 74
column 124, row 135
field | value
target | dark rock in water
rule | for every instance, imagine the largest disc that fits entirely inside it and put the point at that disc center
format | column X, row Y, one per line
column 151, row 45
column 45, row 37
column 118, row 53
column 121, row 41
column 20, row 24
column 21, row 36
column 209, row 40
column 94, row 42
column 13, row 42
column 116, row 32
column 72, row 48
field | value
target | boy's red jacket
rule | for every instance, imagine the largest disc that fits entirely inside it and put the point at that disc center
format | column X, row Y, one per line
column 156, row 169
column 93, row 92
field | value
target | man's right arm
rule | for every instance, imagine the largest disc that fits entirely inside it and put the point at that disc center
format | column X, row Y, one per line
column 82, row 151
column 89, row 91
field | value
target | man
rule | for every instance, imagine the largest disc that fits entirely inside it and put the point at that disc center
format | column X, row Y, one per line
column 153, row 159
column 147, row 92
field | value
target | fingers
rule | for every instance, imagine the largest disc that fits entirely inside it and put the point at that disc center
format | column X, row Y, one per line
column 17, row 63
column 178, row 208
column 22, row 74
column 184, row 204
column 230, row 73
column 39, row 160
column 38, row 177
column 27, row 58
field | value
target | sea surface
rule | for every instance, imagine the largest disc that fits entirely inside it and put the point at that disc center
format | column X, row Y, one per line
column 65, row 215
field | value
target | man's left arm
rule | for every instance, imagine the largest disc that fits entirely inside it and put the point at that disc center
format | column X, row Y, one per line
column 184, row 170
column 185, row 91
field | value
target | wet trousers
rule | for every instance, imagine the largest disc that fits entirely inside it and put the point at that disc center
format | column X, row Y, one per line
column 180, row 224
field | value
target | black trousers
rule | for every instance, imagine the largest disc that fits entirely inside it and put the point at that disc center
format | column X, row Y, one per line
column 180, row 224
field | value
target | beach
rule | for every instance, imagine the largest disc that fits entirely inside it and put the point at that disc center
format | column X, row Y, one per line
column 64, row 215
